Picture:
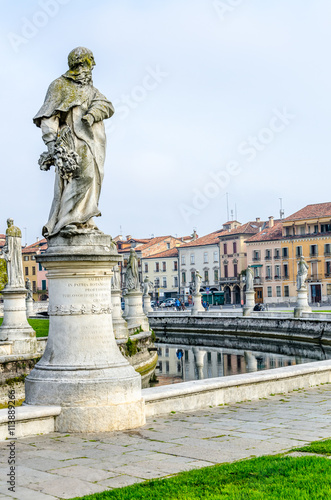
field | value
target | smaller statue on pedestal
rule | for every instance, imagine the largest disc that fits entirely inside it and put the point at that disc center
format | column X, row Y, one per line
column 12, row 253
column 302, row 274
column 147, row 286
column 132, row 273
column 197, row 282
column 249, row 279
column 28, row 286
column 116, row 278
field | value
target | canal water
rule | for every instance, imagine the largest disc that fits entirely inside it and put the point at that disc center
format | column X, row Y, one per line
column 181, row 363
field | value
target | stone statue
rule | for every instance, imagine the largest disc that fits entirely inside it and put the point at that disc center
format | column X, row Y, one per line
column 147, row 286
column 12, row 253
column 116, row 278
column 302, row 274
column 249, row 279
column 28, row 286
column 132, row 274
column 71, row 121
column 197, row 282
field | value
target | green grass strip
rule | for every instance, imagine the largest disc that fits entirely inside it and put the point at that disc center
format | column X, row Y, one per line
column 263, row 478
column 319, row 447
column 40, row 326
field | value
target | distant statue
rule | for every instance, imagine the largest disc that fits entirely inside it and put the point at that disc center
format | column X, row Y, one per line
column 71, row 121
column 197, row 282
column 132, row 273
column 12, row 253
column 28, row 286
column 147, row 286
column 302, row 274
column 249, row 279
column 116, row 278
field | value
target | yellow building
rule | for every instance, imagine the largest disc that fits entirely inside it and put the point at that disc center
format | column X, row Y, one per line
column 307, row 233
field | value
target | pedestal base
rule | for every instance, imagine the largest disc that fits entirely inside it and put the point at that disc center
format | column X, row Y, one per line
column 147, row 304
column 15, row 327
column 29, row 307
column 197, row 306
column 250, row 303
column 135, row 316
column 120, row 326
column 302, row 303
column 82, row 369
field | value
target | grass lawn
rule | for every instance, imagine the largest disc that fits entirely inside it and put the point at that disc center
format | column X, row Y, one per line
column 264, row 478
column 319, row 447
column 40, row 326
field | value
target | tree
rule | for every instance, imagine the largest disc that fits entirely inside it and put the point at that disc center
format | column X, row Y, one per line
column 3, row 274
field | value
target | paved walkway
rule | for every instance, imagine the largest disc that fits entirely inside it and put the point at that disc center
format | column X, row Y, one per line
column 64, row 466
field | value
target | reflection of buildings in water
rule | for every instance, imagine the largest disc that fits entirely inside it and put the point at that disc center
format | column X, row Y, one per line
column 200, row 363
column 199, row 358
column 196, row 363
column 251, row 361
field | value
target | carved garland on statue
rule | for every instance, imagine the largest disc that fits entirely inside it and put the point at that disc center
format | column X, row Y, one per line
column 61, row 310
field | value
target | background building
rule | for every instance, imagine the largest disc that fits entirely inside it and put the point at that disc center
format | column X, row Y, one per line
column 162, row 270
column 34, row 271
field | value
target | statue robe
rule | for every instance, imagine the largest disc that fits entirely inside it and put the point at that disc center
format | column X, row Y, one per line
column 75, row 200
column 12, row 253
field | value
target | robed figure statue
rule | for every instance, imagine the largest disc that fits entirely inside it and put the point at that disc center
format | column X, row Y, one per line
column 71, row 121
column 132, row 272
column 302, row 274
column 12, row 253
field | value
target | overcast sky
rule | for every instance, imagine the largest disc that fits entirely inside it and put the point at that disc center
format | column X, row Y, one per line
column 211, row 97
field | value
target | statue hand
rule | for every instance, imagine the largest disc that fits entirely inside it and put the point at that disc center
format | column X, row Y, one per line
column 89, row 119
column 50, row 146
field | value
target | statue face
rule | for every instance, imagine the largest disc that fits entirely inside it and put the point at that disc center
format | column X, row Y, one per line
column 10, row 222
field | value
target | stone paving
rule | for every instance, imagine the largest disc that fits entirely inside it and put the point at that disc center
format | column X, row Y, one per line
column 65, row 466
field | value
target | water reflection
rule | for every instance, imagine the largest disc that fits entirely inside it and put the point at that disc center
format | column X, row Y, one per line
column 180, row 363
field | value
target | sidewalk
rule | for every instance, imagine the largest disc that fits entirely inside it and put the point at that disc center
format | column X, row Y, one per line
column 64, row 466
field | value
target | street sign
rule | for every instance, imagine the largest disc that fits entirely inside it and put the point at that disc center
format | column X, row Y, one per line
column 207, row 289
column 179, row 353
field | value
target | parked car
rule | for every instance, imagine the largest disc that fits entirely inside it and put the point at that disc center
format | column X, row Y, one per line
column 170, row 302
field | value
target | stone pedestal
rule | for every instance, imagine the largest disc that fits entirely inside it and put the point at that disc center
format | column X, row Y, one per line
column 120, row 326
column 147, row 304
column 135, row 316
column 82, row 369
column 250, row 303
column 29, row 307
column 15, row 327
column 302, row 303
column 126, row 306
column 197, row 306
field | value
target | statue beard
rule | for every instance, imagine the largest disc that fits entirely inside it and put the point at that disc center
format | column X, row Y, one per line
column 81, row 77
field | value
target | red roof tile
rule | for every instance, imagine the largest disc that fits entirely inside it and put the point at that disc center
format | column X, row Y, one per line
column 37, row 246
column 209, row 239
column 313, row 211
column 172, row 252
column 268, row 234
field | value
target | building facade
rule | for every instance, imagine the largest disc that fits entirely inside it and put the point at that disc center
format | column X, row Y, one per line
column 34, row 271
column 233, row 258
column 265, row 257
column 307, row 233
column 200, row 255
column 163, row 271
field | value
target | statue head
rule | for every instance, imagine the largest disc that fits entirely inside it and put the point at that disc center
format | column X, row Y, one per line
column 81, row 63
column 10, row 222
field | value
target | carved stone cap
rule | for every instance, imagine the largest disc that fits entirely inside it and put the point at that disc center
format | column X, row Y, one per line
column 91, row 246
